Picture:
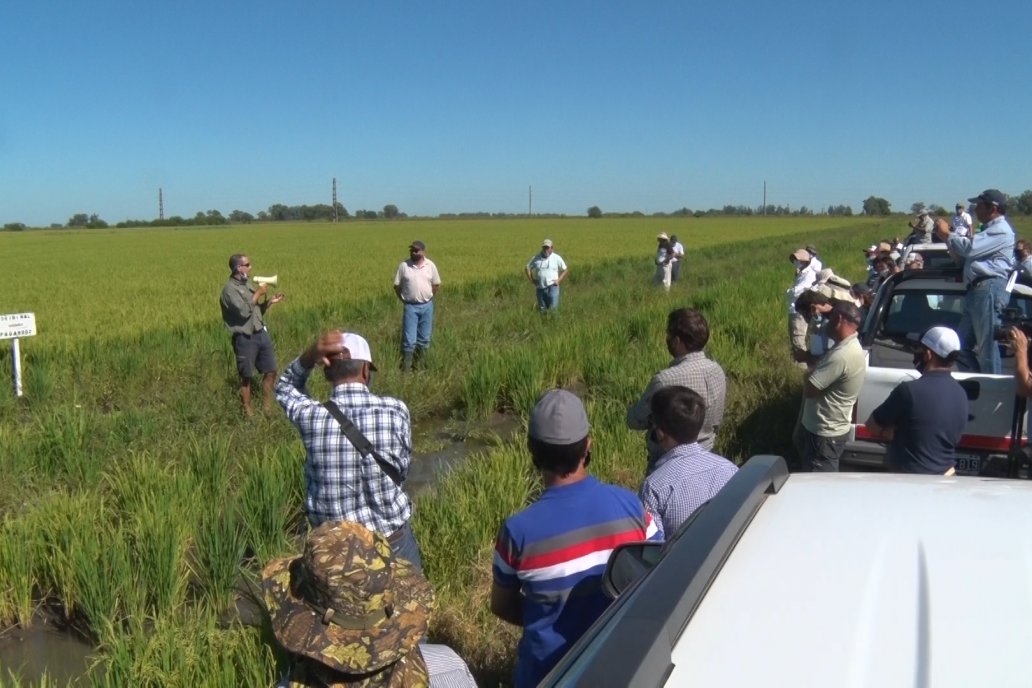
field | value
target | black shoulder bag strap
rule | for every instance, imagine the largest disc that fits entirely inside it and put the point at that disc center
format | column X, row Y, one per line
column 362, row 444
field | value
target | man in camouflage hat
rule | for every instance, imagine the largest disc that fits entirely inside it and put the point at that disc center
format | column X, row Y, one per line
column 351, row 612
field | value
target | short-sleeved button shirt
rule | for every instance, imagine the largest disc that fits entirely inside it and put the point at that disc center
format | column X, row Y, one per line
column 546, row 269
column 417, row 281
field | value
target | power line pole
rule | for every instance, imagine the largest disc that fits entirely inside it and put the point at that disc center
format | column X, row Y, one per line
column 530, row 200
column 336, row 218
column 161, row 204
column 764, row 196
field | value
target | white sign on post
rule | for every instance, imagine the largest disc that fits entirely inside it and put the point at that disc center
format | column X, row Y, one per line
column 12, row 327
column 17, row 325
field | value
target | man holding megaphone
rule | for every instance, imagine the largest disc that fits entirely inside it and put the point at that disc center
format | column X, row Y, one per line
column 243, row 311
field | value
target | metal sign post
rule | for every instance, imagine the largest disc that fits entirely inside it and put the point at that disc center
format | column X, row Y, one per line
column 14, row 327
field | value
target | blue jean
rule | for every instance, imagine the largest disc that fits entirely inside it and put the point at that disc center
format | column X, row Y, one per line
column 983, row 306
column 417, row 322
column 548, row 297
column 403, row 544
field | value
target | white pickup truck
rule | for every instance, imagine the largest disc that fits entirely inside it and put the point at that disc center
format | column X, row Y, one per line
column 907, row 304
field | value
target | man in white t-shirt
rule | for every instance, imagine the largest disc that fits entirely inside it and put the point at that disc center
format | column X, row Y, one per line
column 546, row 271
column 961, row 221
column 416, row 283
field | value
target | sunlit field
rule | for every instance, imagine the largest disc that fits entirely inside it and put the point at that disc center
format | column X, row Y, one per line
column 138, row 503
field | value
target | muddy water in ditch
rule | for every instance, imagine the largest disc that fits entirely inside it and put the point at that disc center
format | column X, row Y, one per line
column 29, row 653
column 62, row 656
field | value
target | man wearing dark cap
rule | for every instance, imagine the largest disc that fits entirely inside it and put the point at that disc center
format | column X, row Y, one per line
column 831, row 389
column 988, row 260
column 243, row 312
column 416, row 283
column 923, row 419
column 550, row 557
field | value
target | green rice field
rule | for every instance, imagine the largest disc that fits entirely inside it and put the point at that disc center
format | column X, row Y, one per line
column 138, row 503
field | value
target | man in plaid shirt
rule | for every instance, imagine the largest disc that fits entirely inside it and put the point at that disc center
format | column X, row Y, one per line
column 686, row 475
column 687, row 335
column 341, row 484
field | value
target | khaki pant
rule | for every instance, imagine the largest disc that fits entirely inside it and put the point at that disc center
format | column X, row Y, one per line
column 797, row 327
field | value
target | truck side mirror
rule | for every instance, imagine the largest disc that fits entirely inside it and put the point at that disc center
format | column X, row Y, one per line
column 627, row 564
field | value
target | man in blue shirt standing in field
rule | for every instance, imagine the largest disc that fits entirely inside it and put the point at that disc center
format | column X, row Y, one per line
column 546, row 271
column 988, row 259
column 550, row 557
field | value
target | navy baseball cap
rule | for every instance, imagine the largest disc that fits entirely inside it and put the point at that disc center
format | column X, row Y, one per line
column 991, row 197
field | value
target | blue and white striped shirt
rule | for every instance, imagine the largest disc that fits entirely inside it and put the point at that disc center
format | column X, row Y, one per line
column 340, row 484
column 685, row 478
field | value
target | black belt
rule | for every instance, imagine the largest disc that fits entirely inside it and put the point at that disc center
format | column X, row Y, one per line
column 396, row 537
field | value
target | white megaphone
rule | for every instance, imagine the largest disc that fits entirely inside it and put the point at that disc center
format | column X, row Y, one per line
column 271, row 280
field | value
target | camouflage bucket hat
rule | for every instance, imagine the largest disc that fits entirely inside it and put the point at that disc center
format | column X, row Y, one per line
column 347, row 602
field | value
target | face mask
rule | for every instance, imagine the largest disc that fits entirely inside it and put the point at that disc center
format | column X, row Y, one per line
column 883, row 272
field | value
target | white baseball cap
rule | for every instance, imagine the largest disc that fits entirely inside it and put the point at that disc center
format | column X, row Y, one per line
column 547, row 242
column 941, row 340
column 358, row 348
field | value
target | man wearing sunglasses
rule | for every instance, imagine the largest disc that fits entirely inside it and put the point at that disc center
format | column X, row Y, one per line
column 243, row 312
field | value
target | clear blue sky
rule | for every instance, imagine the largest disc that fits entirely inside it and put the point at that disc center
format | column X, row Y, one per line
column 460, row 106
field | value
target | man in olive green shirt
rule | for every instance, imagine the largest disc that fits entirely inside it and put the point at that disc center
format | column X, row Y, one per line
column 832, row 387
column 243, row 311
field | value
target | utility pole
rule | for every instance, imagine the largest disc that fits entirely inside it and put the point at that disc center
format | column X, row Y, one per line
column 161, row 204
column 530, row 200
column 764, row 196
column 336, row 217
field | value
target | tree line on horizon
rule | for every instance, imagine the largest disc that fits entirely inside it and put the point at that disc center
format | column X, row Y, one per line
column 322, row 212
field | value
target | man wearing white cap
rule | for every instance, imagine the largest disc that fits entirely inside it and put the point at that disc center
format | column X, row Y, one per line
column 546, row 271
column 358, row 445
column 923, row 419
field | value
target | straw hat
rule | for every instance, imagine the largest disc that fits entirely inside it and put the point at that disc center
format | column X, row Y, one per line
column 350, row 605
